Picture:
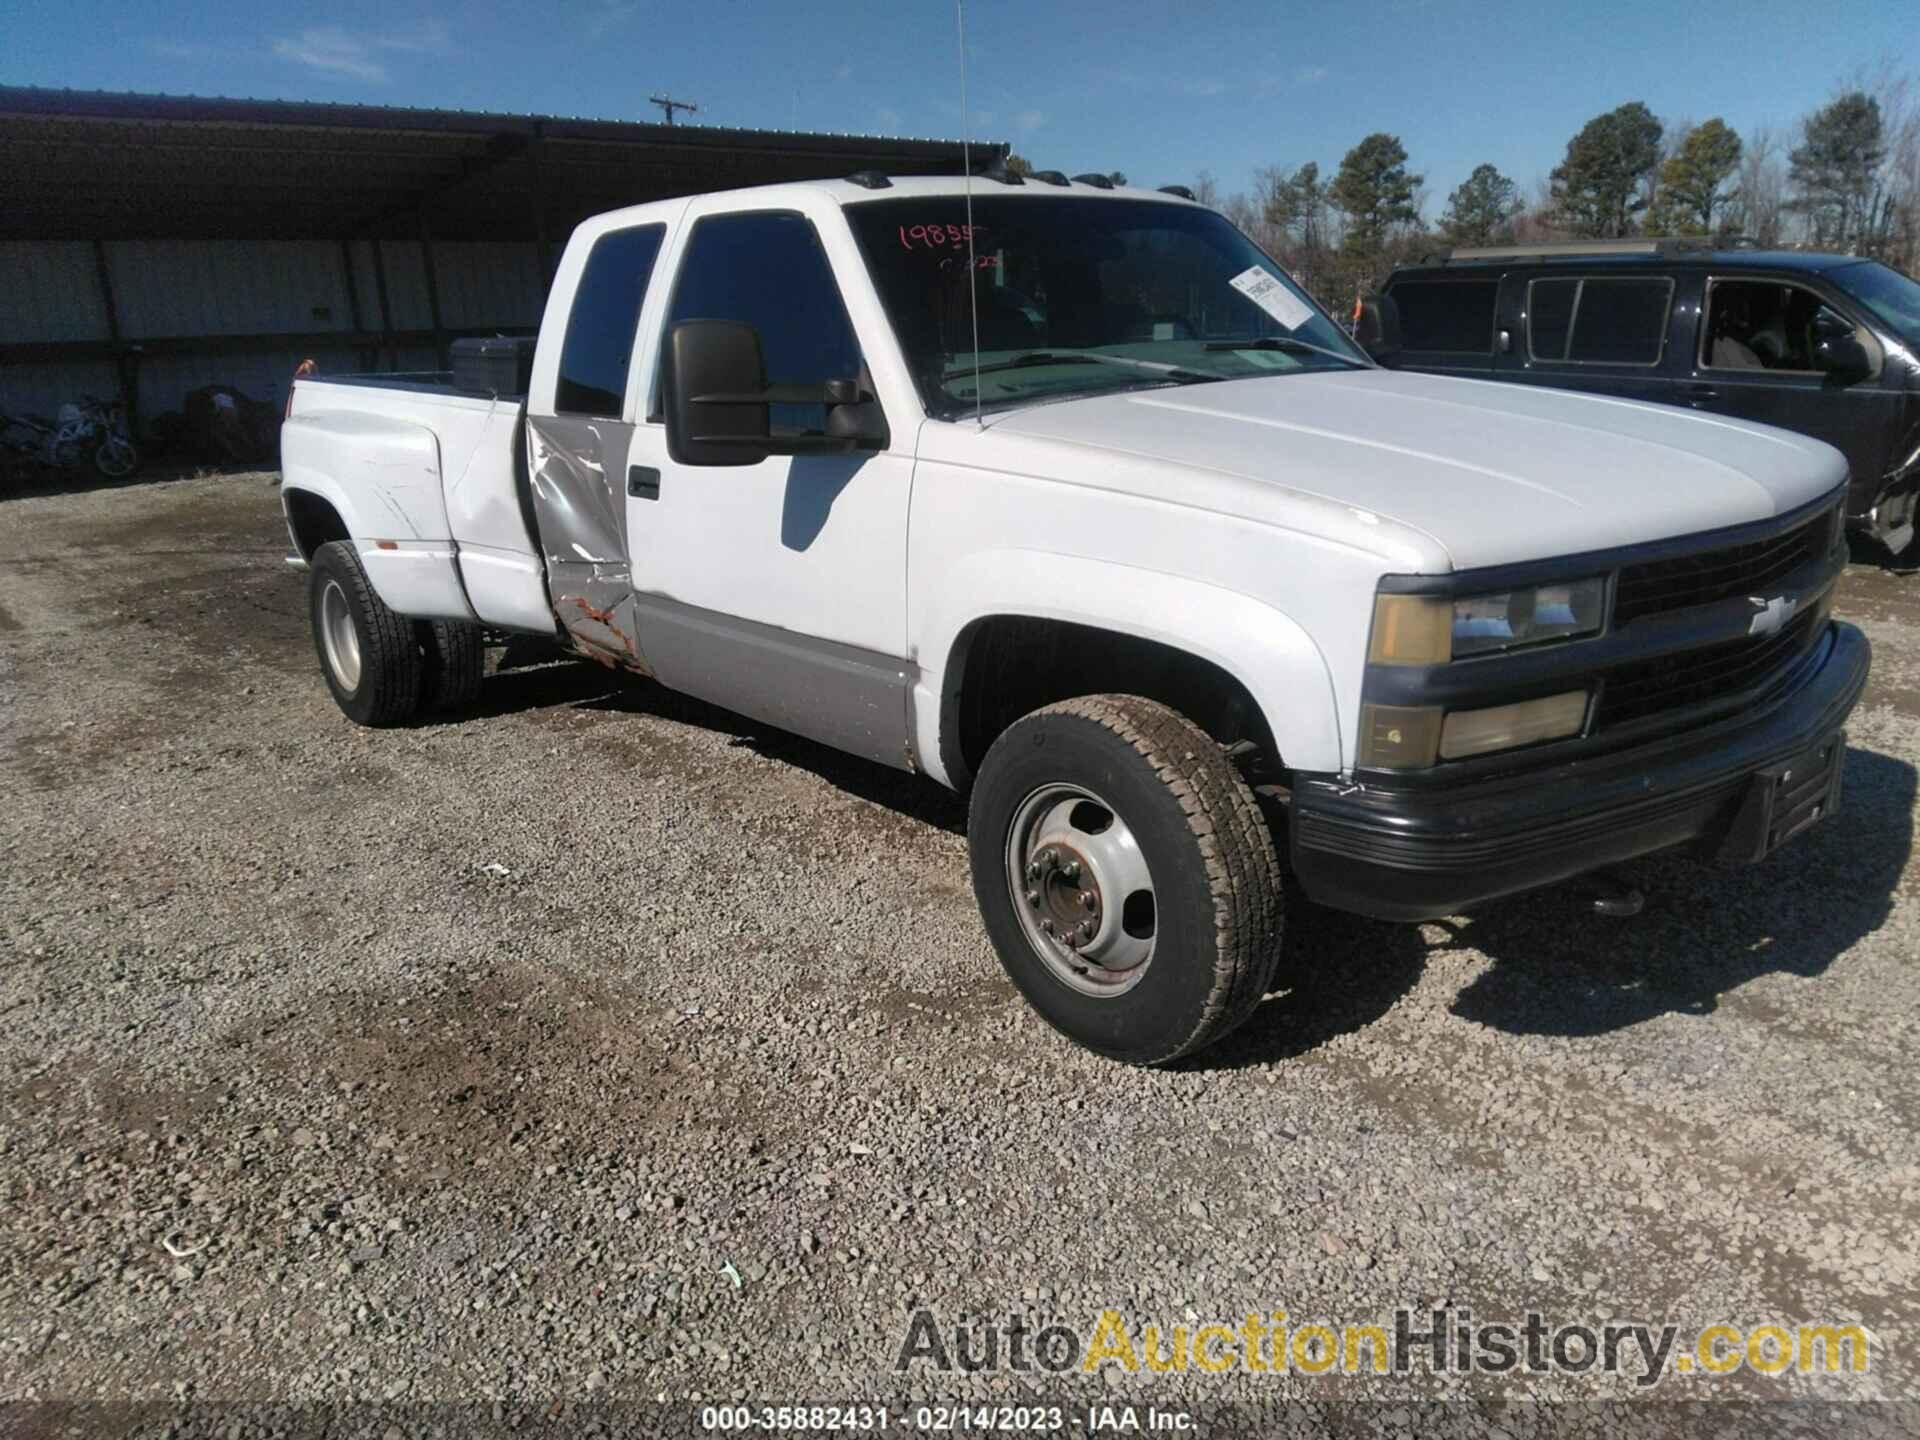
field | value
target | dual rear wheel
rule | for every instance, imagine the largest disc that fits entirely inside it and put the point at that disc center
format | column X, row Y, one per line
column 383, row 668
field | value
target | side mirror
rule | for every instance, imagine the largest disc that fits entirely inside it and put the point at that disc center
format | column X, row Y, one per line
column 715, row 393
column 711, row 374
column 1377, row 327
column 1836, row 346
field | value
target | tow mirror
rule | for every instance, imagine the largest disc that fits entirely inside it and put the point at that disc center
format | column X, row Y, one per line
column 1837, row 348
column 1377, row 327
column 716, row 397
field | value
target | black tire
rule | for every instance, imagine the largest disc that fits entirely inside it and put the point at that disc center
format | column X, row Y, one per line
column 384, row 686
column 456, row 659
column 116, row 458
column 1217, row 895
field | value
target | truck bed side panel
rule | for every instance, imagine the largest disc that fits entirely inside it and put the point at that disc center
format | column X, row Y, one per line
column 382, row 474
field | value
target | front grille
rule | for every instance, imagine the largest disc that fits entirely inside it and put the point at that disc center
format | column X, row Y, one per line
column 1693, row 677
column 1658, row 586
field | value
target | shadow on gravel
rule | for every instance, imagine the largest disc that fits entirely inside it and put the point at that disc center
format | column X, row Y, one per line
column 1339, row 973
column 538, row 675
column 1708, row 928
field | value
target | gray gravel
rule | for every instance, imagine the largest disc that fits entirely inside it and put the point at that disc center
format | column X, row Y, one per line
column 460, row 1061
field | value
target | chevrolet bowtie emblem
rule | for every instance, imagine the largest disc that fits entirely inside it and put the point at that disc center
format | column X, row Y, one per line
column 1772, row 614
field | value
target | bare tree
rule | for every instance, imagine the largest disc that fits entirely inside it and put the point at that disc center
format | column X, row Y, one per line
column 1759, row 205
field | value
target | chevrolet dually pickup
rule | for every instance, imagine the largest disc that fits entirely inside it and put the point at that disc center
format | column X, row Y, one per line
column 1065, row 496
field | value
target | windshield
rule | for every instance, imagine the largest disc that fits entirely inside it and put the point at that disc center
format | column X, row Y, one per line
column 1891, row 296
column 1083, row 296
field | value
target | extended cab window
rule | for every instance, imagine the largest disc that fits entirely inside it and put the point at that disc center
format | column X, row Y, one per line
column 1447, row 315
column 1599, row 320
column 598, row 350
column 768, row 270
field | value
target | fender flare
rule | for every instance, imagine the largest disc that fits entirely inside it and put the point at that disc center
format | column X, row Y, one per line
column 1263, row 649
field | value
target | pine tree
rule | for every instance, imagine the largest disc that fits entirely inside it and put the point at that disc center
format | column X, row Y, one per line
column 1481, row 210
column 1836, row 169
column 1375, row 191
column 1596, row 188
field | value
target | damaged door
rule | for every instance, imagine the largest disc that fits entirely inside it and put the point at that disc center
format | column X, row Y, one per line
column 578, row 455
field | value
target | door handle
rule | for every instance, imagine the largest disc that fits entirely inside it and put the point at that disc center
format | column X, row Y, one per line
column 1700, row 396
column 643, row 482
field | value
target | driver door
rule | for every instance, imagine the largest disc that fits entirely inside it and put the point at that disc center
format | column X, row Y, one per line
column 777, row 589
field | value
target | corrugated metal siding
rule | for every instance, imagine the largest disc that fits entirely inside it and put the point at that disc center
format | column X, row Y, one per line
column 227, row 287
column 51, row 292
column 202, row 288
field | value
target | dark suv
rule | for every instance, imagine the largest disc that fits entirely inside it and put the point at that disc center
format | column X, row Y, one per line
column 1828, row 345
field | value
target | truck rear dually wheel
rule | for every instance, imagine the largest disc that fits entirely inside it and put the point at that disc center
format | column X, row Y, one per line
column 1126, row 876
column 369, row 655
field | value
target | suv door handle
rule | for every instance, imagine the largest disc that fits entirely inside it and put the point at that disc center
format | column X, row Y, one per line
column 643, row 482
column 1700, row 396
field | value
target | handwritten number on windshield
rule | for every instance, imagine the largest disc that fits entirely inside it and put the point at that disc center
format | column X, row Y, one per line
column 938, row 237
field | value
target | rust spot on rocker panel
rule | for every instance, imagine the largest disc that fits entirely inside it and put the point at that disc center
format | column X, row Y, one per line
column 595, row 649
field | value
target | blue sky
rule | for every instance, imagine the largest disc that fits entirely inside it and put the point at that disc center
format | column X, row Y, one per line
column 1159, row 90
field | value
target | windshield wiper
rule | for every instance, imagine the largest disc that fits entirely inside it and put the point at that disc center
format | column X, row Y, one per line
column 1287, row 343
column 1176, row 373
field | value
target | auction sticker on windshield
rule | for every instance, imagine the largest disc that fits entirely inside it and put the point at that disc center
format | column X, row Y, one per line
column 1270, row 295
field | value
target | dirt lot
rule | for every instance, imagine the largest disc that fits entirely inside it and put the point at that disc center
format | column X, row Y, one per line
column 479, row 1059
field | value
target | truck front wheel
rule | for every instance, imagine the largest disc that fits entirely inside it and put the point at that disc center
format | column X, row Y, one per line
column 1126, row 876
column 369, row 655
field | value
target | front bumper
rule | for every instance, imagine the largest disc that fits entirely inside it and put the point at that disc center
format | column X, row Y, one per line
column 1740, row 786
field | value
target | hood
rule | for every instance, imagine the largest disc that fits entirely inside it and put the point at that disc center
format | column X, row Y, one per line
column 1492, row 473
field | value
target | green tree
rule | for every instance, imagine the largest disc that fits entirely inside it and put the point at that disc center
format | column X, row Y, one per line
column 1018, row 164
column 1693, row 181
column 1375, row 191
column 1835, row 171
column 1481, row 210
column 1597, row 188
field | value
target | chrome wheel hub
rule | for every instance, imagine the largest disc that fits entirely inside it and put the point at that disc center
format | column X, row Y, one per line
column 337, row 635
column 1082, row 890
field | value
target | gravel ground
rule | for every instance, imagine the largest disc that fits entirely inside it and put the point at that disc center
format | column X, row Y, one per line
column 477, row 1060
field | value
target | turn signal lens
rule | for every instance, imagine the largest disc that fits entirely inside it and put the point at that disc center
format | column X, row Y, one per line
column 1399, row 737
column 1411, row 630
column 1475, row 732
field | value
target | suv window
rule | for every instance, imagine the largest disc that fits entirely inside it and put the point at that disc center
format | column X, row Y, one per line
column 1448, row 315
column 1599, row 320
column 598, row 350
column 768, row 269
column 1759, row 325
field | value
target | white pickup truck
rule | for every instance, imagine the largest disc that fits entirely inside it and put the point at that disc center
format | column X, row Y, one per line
column 1066, row 496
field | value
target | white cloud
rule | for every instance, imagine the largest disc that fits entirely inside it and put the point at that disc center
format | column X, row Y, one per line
column 1309, row 74
column 179, row 50
column 844, row 72
column 334, row 51
column 889, row 120
column 1028, row 121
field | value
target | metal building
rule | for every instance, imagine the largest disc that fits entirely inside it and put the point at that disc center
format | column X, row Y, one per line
column 152, row 244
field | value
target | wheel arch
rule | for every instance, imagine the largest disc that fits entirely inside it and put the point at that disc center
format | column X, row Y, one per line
column 1164, row 636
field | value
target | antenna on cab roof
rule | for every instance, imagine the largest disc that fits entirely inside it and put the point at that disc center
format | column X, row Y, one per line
column 966, row 161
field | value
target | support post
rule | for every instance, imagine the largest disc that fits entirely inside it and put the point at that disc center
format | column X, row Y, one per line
column 433, row 290
column 386, row 312
column 353, row 297
column 125, row 365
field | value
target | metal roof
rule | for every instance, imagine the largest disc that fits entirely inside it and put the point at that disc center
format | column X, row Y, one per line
column 99, row 165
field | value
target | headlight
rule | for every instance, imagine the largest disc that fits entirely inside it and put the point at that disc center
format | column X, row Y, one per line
column 1512, row 618
column 1431, row 630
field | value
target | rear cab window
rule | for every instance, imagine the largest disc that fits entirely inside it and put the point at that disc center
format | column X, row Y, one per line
column 597, row 355
column 1598, row 319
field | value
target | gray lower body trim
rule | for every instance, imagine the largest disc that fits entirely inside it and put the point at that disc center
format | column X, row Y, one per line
column 856, row 700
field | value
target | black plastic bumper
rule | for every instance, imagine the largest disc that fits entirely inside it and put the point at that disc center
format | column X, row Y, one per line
column 1740, row 787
